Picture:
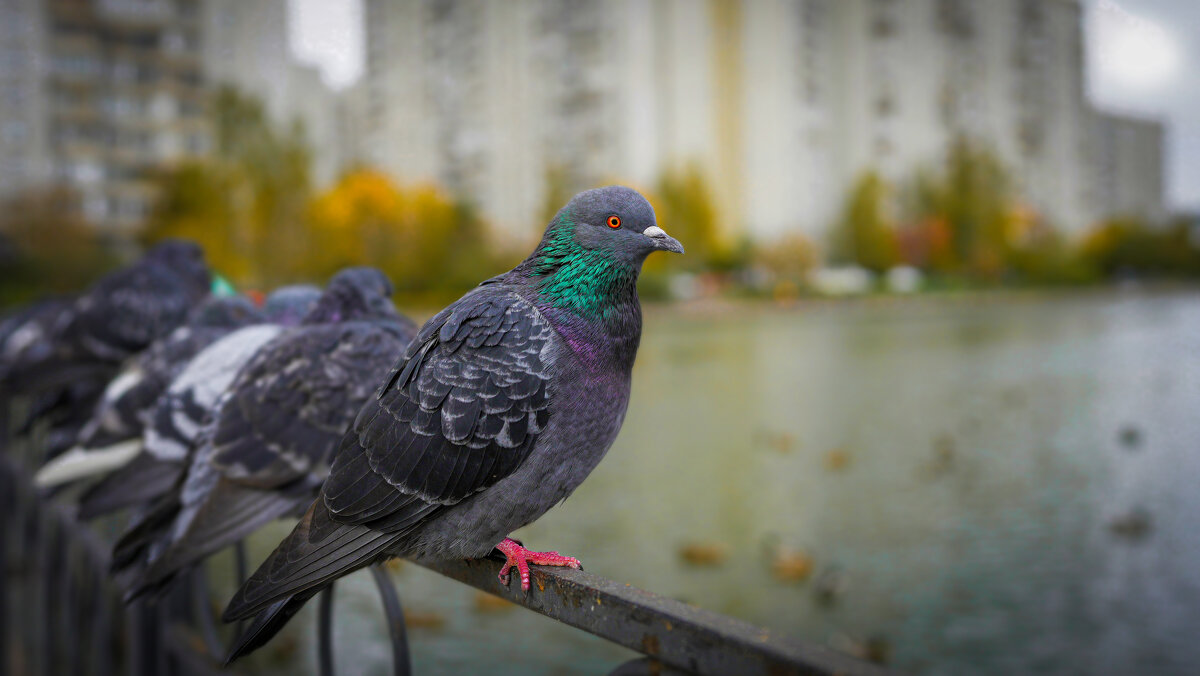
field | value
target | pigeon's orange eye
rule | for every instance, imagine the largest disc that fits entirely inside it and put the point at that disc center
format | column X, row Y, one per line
column 614, row 221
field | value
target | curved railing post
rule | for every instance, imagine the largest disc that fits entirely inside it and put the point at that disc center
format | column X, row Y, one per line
column 401, row 660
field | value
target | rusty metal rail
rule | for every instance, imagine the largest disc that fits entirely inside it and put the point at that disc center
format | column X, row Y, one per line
column 685, row 638
column 65, row 562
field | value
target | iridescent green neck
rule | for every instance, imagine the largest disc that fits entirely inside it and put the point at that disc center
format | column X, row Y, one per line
column 586, row 282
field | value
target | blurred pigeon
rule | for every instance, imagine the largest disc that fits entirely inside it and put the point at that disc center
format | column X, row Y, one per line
column 27, row 336
column 113, row 435
column 270, row 440
column 64, row 373
column 177, row 416
column 499, row 408
column 119, row 315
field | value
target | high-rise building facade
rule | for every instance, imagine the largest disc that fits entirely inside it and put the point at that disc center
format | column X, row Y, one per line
column 1127, row 167
column 97, row 94
column 782, row 103
column 246, row 46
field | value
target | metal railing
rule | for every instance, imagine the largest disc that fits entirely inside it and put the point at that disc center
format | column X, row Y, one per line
column 71, row 618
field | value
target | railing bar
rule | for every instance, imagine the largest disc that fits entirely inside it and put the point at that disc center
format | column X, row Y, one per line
column 49, row 601
column 69, row 610
column 100, row 649
column 325, row 633
column 239, row 562
column 676, row 634
column 7, row 500
column 202, row 611
column 401, row 660
column 240, row 570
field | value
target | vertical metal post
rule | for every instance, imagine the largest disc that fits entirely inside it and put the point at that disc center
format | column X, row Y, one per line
column 7, row 499
column 325, row 633
column 401, row 660
column 202, row 611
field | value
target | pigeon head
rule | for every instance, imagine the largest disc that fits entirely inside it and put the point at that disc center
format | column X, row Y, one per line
column 288, row 305
column 593, row 250
column 354, row 294
column 226, row 312
column 185, row 259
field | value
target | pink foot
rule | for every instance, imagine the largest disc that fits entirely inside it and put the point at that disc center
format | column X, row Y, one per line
column 518, row 557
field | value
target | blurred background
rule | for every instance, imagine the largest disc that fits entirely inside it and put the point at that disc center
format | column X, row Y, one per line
column 924, row 387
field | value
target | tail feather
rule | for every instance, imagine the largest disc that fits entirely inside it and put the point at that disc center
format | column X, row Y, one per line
column 268, row 623
column 79, row 463
column 228, row 514
column 143, row 531
column 317, row 551
column 142, row 480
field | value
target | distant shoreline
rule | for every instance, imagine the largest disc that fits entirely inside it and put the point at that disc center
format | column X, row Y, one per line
column 725, row 306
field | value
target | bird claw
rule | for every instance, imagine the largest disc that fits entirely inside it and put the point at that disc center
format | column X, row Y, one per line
column 516, row 556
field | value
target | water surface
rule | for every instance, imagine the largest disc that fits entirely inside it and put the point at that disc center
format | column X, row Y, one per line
column 955, row 464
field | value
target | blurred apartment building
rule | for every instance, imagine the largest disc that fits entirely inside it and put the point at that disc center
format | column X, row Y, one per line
column 782, row 103
column 94, row 93
column 246, row 45
column 98, row 93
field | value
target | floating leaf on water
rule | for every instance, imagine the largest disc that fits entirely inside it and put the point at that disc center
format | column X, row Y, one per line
column 1131, row 437
column 490, row 603
column 416, row 619
column 703, row 553
column 838, row 459
column 831, row 585
column 1134, row 524
column 792, row 566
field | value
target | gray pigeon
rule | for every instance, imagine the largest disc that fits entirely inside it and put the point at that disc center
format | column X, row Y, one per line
column 499, row 408
column 113, row 434
column 27, row 334
column 180, row 412
column 120, row 315
column 269, row 442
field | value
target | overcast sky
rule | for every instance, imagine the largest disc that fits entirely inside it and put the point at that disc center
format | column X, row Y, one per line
column 1143, row 59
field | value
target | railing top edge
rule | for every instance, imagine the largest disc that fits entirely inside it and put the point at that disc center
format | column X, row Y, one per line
column 677, row 634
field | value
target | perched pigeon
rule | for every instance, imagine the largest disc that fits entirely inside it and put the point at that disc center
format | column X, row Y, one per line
column 113, row 435
column 177, row 416
column 268, row 450
column 27, row 336
column 64, row 373
column 119, row 315
column 499, row 408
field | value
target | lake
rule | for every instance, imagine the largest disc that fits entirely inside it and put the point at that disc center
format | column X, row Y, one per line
column 993, row 484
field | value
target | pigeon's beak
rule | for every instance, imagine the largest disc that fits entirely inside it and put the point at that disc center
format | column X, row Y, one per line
column 661, row 241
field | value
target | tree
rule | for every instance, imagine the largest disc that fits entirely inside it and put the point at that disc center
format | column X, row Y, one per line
column 866, row 233
column 46, row 246
column 245, row 204
column 684, row 207
column 421, row 238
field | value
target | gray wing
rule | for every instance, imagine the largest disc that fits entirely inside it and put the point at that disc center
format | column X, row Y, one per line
column 192, row 396
column 293, row 402
column 267, row 449
column 460, row 412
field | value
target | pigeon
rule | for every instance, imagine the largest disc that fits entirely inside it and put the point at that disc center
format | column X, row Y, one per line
column 267, row 448
column 120, row 315
column 113, row 434
column 177, row 416
column 499, row 408
column 64, row 373
column 27, row 336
